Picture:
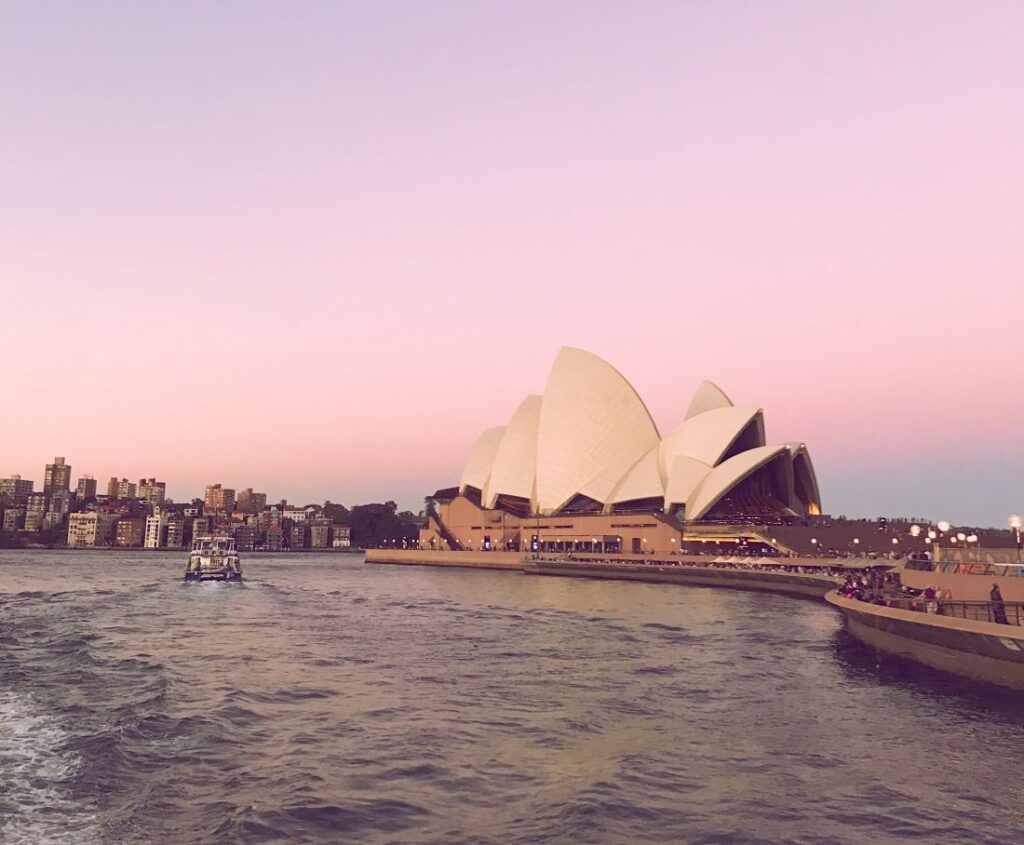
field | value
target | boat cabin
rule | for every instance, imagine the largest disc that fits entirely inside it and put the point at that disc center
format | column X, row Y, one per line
column 214, row 546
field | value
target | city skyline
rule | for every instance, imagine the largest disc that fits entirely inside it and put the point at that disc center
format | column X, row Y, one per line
column 321, row 274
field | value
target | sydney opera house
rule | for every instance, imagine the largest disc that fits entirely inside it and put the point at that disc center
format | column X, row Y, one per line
column 583, row 467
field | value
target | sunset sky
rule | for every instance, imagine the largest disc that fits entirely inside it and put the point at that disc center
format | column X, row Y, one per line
column 315, row 248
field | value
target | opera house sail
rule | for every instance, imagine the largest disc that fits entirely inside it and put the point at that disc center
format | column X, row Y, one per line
column 583, row 455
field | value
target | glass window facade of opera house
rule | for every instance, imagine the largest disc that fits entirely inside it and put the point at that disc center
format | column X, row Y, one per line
column 583, row 467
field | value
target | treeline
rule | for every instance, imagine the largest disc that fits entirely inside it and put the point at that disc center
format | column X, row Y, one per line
column 376, row 524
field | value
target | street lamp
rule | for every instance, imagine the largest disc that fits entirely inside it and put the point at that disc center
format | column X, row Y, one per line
column 1015, row 523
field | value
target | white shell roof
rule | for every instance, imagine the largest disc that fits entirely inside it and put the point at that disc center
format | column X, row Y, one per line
column 643, row 481
column 590, row 434
column 481, row 458
column 708, row 436
column 515, row 462
column 593, row 428
column 727, row 475
column 802, row 460
column 684, row 476
column 708, row 397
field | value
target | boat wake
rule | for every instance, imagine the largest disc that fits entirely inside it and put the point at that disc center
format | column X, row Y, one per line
column 35, row 801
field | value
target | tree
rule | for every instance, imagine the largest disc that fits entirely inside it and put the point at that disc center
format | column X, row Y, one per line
column 378, row 524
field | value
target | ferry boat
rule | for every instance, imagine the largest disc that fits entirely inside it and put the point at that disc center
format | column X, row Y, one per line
column 213, row 559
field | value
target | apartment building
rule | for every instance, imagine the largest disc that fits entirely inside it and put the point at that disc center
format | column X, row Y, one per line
column 14, row 491
column 58, row 477
column 219, row 498
column 90, row 528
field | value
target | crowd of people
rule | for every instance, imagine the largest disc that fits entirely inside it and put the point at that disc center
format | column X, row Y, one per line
column 885, row 589
column 738, row 562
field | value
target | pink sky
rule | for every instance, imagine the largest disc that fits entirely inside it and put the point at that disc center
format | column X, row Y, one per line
column 316, row 249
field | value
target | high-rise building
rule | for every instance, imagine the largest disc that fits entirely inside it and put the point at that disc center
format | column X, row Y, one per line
column 245, row 537
column 90, row 528
column 219, row 498
column 60, row 503
column 297, row 536
column 156, row 531
column 131, row 531
column 14, row 518
column 86, row 488
column 175, row 532
column 273, row 540
column 15, row 491
column 152, row 491
column 58, row 477
column 121, row 488
column 200, row 527
column 250, row 502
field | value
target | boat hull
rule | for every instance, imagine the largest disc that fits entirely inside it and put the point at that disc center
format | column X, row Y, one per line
column 982, row 651
column 214, row 575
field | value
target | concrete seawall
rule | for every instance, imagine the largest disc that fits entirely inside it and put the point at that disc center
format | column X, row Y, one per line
column 625, row 568
column 788, row 583
column 423, row 557
column 983, row 651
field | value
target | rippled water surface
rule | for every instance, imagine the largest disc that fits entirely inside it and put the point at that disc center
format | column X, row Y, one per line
column 328, row 700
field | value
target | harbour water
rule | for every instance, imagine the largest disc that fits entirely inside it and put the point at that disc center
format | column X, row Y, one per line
column 325, row 701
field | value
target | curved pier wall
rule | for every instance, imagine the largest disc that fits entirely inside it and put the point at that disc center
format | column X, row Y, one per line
column 793, row 584
column 980, row 650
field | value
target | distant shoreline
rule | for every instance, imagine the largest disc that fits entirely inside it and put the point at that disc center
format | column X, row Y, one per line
column 351, row 551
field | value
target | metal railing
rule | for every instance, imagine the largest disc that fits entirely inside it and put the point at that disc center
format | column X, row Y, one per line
column 1012, row 612
column 956, row 567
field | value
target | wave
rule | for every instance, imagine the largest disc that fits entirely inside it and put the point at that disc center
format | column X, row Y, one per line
column 39, row 771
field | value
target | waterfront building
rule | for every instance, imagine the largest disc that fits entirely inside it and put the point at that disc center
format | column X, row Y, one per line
column 320, row 534
column 200, row 526
column 53, row 519
column 35, row 510
column 15, row 491
column 121, row 488
column 274, row 539
column 152, row 491
column 341, row 536
column 90, row 528
column 297, row 535
column 86, row 489
column 60, row 502
column 250, row 502
column 270, row 519
column 174, row 532
column 130, row 532
column 156, row 531
column 58, row 477
column 219, row 498
column 14, row 519
column 245, row 537
column 295, row 513
column 583, row 466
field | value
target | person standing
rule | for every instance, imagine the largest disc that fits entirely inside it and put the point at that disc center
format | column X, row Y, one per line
column 998, row 607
